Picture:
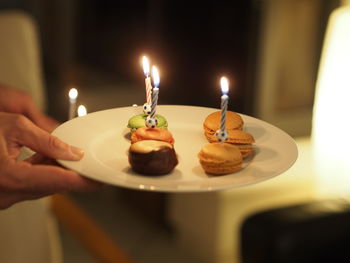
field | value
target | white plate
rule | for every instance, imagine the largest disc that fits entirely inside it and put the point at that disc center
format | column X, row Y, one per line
column 103, row 137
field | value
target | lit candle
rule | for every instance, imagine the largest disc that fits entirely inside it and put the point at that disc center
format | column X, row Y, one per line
column 155, row 91
column 151, row 121
column 221, row 134
column 73, row 94
column 82, row 110
column 145, row 64
column 224, row 102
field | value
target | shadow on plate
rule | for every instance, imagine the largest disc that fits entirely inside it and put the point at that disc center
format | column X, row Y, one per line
column 176, row 174
column 254, row 130
column 263, row 154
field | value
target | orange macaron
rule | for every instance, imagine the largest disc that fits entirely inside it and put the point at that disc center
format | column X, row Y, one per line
column 220, row 158
column 212, row 122
column 157, row 134
column 243, row 140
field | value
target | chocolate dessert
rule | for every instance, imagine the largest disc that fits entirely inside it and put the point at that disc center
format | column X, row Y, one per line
column 151, row 157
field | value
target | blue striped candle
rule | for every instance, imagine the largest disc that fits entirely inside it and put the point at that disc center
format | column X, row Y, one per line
column 224, row 102
column 155, row 91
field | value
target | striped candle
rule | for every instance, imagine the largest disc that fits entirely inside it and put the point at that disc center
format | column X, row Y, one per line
column 154, row 101
column 148, row 90
column 224, row 102
column 145, row 64
column 155, row 91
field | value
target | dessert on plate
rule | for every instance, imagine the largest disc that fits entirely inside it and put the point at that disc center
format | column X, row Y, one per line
column 212, row 122
column 139, row 121
column 152, row 157
column 152, row 151
column 220, row 158
column 234, row 128
column 243, row 140
column 157, row 134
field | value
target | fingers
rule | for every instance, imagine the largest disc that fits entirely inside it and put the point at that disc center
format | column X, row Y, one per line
column 40, row 159
column 17, row 101
column 8, row 198
column 41, row 120
column 46, row 163
column 28, row 108
column 45, row 122
column 23, row 181
column 47, row 179
column 42, row 142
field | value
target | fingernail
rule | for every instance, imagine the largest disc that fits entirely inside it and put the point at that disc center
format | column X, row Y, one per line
column 77, row 152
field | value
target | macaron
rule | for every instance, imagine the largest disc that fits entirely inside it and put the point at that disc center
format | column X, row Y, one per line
column 157, row 134
column 139, row 120
column 212, row 122
column 220, row 158
column 243, row 140
column 150, row 157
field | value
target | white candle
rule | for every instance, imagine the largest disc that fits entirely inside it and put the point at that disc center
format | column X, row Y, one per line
column 82, row 110
column 155, row 91
column 73, row 94
column 148, row 84
column 135, row 109
column 224, row 102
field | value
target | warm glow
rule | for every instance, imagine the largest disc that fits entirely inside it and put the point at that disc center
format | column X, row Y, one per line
column 73, row 94
column 331, row 125
column 81, row 111
column 145, row 65
column 224, row 85
column 155, row 76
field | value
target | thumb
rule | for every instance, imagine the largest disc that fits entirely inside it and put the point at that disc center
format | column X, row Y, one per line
column 42, row 142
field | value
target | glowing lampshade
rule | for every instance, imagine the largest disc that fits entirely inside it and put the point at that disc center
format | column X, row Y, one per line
column 331, row 116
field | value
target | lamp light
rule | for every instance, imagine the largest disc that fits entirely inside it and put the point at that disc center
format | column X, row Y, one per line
column 331, row 113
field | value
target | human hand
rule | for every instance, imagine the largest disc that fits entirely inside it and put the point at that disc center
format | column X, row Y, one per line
column 17, row 101
column 34, row 177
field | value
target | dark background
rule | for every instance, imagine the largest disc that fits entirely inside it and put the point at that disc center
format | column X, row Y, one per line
column 193, row 43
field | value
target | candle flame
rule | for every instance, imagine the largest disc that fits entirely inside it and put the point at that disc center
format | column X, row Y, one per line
column 155, row 76
column 81, row 111
column 145, row 64
column 73, row 93
column 224, row 85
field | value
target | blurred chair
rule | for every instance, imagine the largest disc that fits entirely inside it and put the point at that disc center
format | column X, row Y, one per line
column 208, row 225
column 28, row 230
column 311, row 232
column 316, row 231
